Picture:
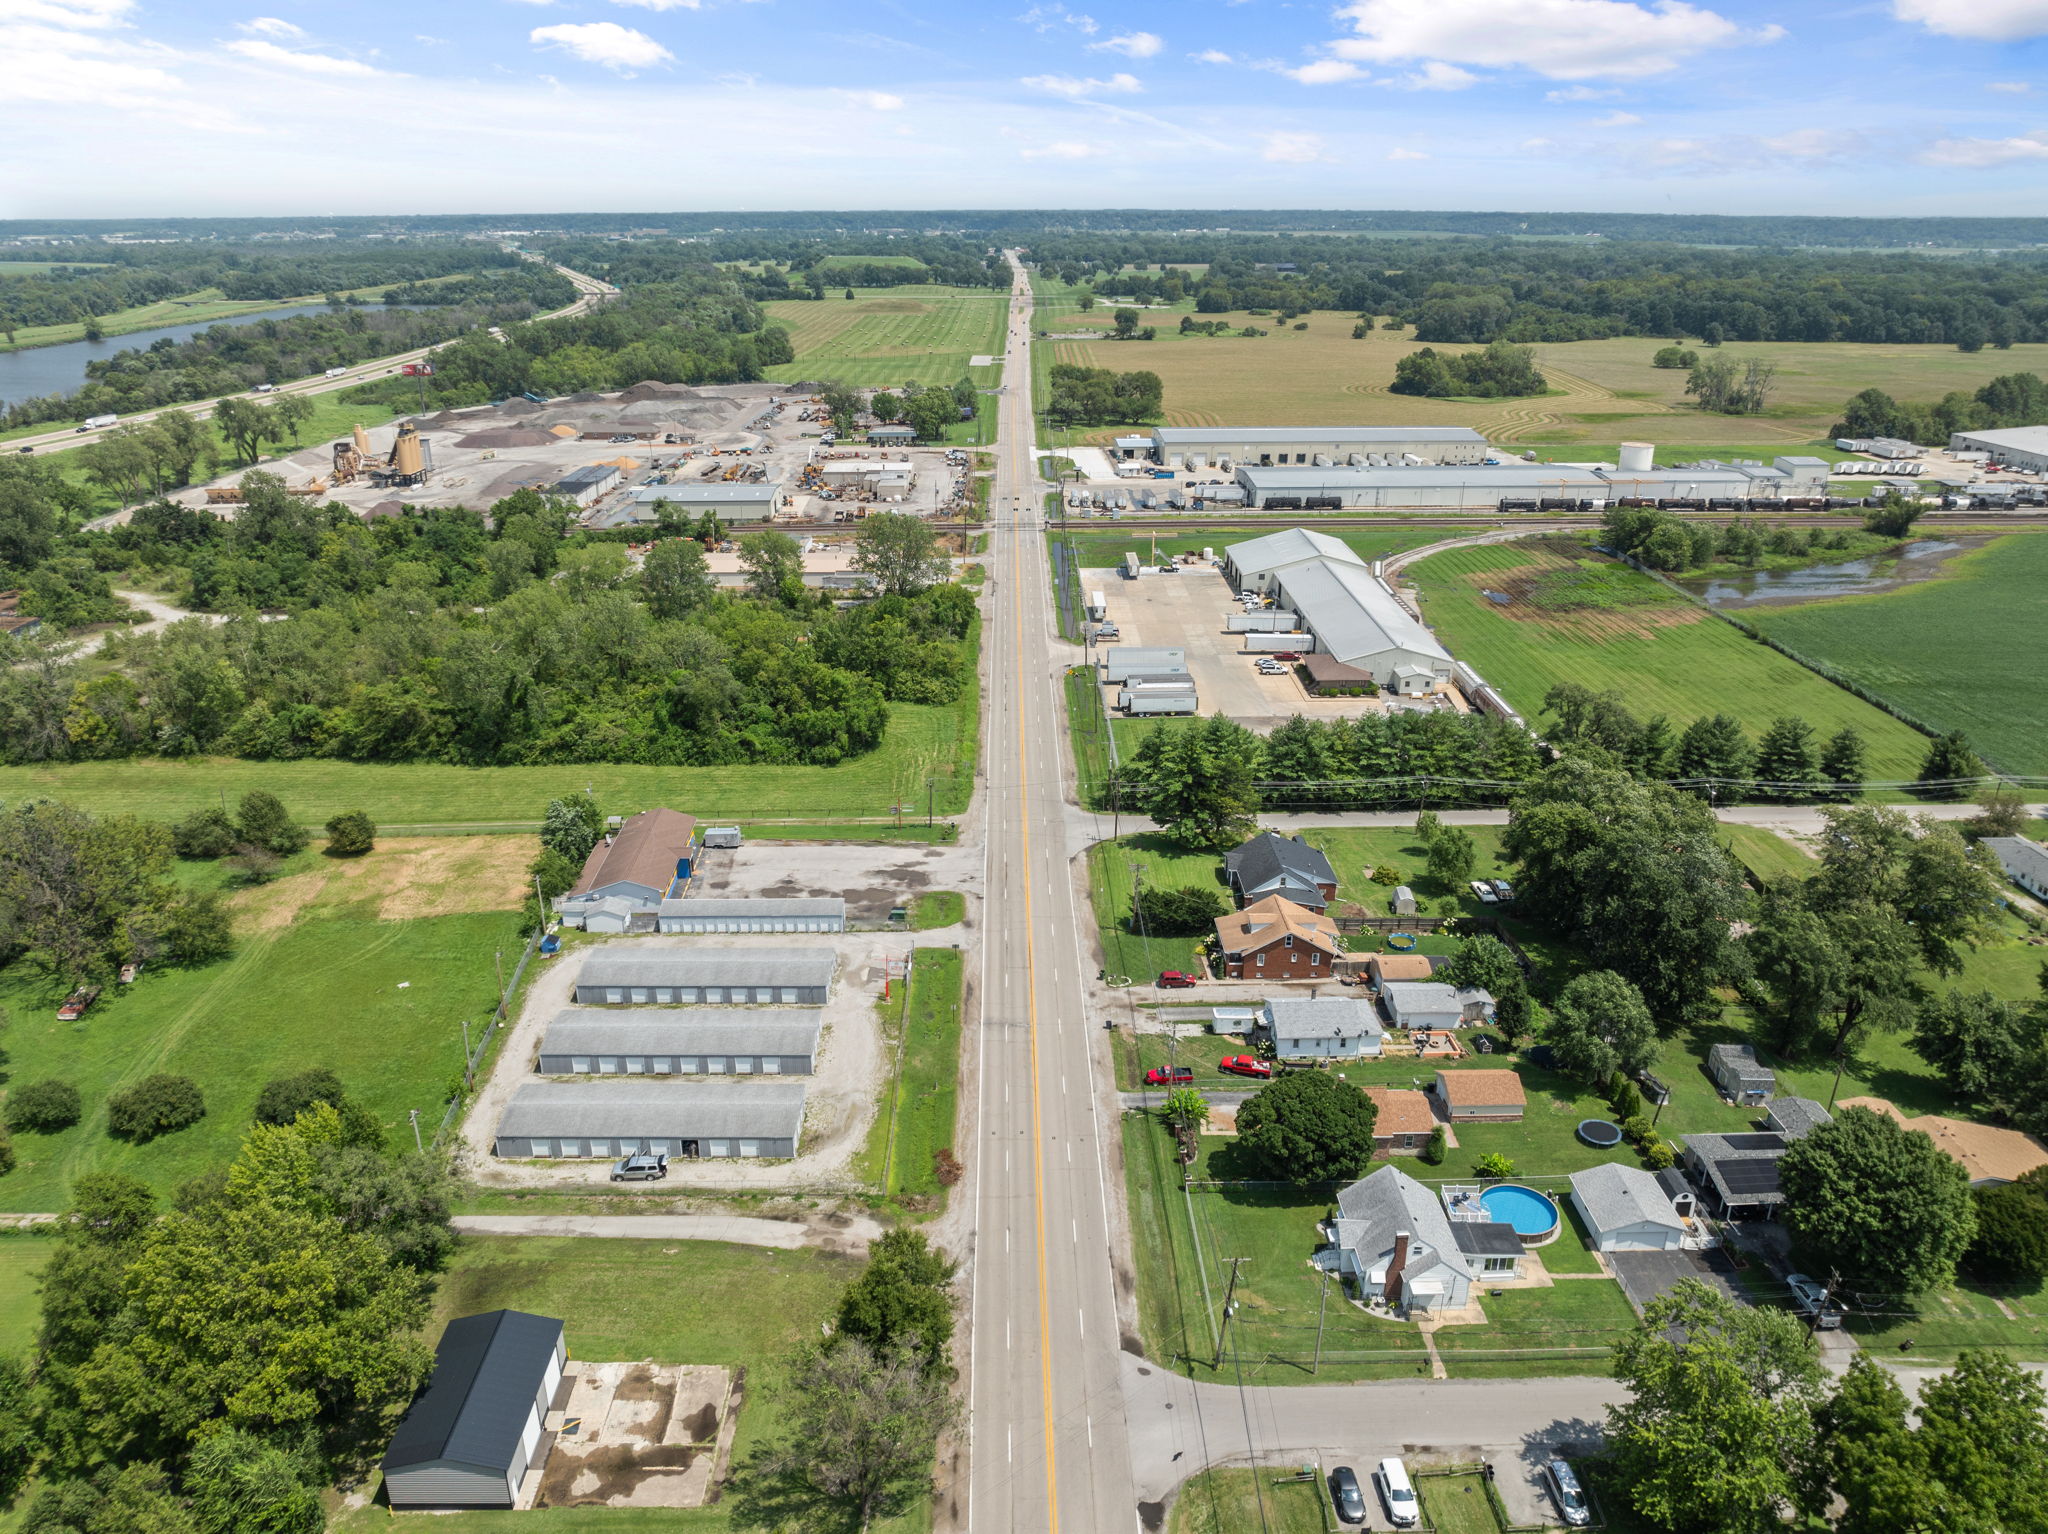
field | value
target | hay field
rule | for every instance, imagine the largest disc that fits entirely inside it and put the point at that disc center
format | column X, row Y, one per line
column 1573, row 616
column 402, row 878
column 1962, row 652
column 887, row 335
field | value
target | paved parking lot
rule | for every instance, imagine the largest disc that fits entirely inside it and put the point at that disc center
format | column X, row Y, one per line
column 874, row 878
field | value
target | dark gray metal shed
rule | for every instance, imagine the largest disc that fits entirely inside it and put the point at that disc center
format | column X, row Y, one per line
column 474, row 1432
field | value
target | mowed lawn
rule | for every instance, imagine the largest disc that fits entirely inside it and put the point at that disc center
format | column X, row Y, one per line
column 21, row 1305
column 379, row 1002
column 1234, row 1501
column 922, row 741
column 886, row 336
column 1575, row 616
column 1963, row 651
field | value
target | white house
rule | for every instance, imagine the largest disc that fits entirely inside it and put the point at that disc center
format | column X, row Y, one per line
column 1325, row 1027
column 1393, row 1238
column 1416, row 1004
column 2025, row 862
column 1626, row 1209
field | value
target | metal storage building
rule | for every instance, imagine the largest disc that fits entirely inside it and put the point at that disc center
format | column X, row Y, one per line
column 586, row 1042
column 1200, row 446
column 627, row 1116
column 822, row 914
column 1482, row 487
column 789, row 977
column 733, row 501
column 472, row 1434
column 1358, row 621
column 1254, row 564
column 586, row 484
column 2017, row 447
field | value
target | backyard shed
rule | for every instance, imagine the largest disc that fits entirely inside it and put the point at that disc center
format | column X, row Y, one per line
column 822, row 914
column 1485, row 1095
column 1322, row 1027
column 690, row 1041
column 1794, row 1117
column 471, row 1435
column 1738, row 1073
column 1626, row 1209
column 1382, row 967
column 621, row 1116
column 788, row 977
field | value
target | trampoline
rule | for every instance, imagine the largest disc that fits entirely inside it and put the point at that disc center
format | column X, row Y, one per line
column 1602, row 1134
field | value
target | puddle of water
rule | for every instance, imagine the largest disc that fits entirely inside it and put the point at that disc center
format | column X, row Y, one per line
column 1498, row 598
column 1918, row 561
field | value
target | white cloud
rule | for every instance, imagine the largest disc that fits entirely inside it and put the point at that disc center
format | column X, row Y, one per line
column 603, row 42
column 1533, row 144
column 875, row 101
column 308, row 63
column 1437, row 76
column 1074, row 88
column 2009, row 87
column 270, row 26
column 1043, row 18
column 1561, row 39
column 1614, row 120
column 1736, row 153
column 1063, row 149
column 1997, row 21
column 1132, row 45
column 1580, row 93
column 78, row 14
column 1292, row 148
column 664, row 5
column 1406, row 154
column 1325, row 72
column 1212, row 56
column 1980, row 153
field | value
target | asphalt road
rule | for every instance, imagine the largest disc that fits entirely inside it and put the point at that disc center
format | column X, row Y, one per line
column 1048, row 1446
column 588, row 290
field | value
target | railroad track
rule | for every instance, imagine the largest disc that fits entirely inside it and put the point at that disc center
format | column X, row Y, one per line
column 1954, row 521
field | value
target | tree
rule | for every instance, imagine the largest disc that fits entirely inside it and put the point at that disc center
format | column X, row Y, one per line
column 1842, row 763
column 555, row 873
column 2011, row 1244
column 1185, row 1108
column 240, row 1484
column 1674, row 357
column 930, row 412
column 1308, row 1127
column 1893, row 517
column 1126, row 321
column 863, row 1428
column 1833, row 974
column 283, row 1099
column 1168, row 912
column 403, row 1203
column 571, row 827
column 43, row 1107
column 1485, row 962
column 675, row 580
column 351, row 834
column 1865, row 1453
column 774, row 564
column 1922, row 871
column 901, row 552
column 2002, row 810
column 132, row 1499
column 1494, row 1165
column 1719, row 1416
column 155, row 1105
column 1982, row 1046
column 1987, row 1442
column 20, row 1445
column 1198, row 783
column 264, row 822
column 1864, row 1195
column 899, row 1302
column 1714, row 749
column 205, row 835
column 1787, row 760
column 1439, row 1142
column 1451, row 856
column 1599, row 1025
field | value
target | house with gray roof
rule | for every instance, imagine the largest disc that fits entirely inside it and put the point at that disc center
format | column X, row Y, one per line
column 667, row 977
column 753, row 914
column 469, row 1438
column 627, row 1116
column 1794, row 1117
column 1431, row 1004
column 2024, row 862
column 1287, row 866
column 1394, row 1240
column 1321, row 1027
column 1626, row 1209
column 679, row 1041
column 1741, row 1077
column 1737, row 1174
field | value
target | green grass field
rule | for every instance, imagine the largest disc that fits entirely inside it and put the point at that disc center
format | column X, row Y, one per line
column 888, row 335
column 1236, row 1501
column 917, row 1118
column 829, row 262
column 1766, row 854
column 21, row 1306
column 1574, row 616
column 1961, row 651
column 936, row 908
column 922, row 741
column 380, row 1002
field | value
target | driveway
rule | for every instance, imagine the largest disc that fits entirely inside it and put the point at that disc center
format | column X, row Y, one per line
column 1646, row 1275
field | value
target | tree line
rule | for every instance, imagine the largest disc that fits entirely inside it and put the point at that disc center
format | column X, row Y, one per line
column 1663, row 540
column 1498, row 371
column 770, row 266
column 1087, row 396
column 2011, row 399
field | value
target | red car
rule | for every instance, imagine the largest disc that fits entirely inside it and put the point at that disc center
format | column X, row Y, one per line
column 77, row 1002
column 1245, row 1065
column 1169, row 1076
column 1285, row 655
column 1174, row 980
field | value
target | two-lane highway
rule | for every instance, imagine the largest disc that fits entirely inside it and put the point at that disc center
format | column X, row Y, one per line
column 1049, row 1443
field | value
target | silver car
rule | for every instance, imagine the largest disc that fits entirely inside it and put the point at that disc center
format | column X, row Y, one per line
column 1566, row 1492
column 640, row 1168
column 1810, row 1299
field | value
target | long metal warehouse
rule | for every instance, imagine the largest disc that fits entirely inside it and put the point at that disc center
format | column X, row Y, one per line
column 624, row 1116
column 1199, row 446
column 827, row 914
column 470, row 1437
column 1483, row 487
column 789, row 977
column 679, row 1042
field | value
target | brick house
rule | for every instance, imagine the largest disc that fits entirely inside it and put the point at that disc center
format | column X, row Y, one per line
column 1404, row 1123
column 1275, row 939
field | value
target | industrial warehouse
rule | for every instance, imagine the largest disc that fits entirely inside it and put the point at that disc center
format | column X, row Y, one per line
column 1352, row 615
column 1199, row 447
column 627, row 1116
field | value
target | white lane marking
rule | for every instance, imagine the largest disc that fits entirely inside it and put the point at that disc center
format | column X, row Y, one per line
column 1007, row 1343
column 1074, row 1231
column 1083, row 1315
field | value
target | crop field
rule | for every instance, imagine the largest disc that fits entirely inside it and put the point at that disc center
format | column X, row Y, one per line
column 848, row 260
column 922, row 741
column 888, row 335
column 1962, row 651
column 1573, row 616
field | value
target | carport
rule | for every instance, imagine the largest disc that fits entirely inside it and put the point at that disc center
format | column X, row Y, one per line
column 1646, row 1275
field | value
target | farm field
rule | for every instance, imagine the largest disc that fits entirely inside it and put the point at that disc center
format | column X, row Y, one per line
column 888, row 335
column 1961, row 651
column 922, row 740
column 1574, row 616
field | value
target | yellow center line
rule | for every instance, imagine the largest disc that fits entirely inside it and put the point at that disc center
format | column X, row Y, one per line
column 1052, row 1491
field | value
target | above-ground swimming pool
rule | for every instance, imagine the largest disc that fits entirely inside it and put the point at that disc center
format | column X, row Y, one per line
column 1532, row 1215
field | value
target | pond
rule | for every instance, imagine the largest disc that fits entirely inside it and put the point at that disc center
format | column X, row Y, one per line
column 1920, row 560
column 39, row 370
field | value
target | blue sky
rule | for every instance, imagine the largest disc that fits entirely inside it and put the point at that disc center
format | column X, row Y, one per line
column 120, row 107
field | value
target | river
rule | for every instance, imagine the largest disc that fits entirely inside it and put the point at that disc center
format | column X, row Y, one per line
column 1920, row 560
column 39, row 370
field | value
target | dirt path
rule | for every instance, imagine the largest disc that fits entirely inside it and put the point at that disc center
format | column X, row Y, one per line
column 161, row 616
column 842, row 1233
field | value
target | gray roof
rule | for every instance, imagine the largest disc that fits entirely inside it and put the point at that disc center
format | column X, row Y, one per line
column 1613, row 1195
column 717, row 493
column 488, row 1370
column 1431, row 995
column 1271, row 864
column 1360, row 435
column 1377, row 1208
column 682, row 1031
column 2026, row 439
column 709, row 966
column 1354, row 617
column 1712, row 1154
column 1741, row 1060
column 1120, row 661
column 2017, row 855
column 1319, row 1017
column 1486, row 1238
column 1797, row 1116
column 1706, row 478
column 746, row 906
column 590, row 474
column 1291, row 546
column 633, row 1106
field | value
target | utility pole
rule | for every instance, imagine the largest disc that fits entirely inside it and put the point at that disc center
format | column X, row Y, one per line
column 417, row 1143
column 1826, row 1297
column 468, row 1059
column 1322, row 1308
column 1224, row 1330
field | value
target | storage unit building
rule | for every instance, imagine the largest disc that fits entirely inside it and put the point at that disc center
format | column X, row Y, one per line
column 704, row 914
column 1483, row 487
column 629, row 1116
column 788, row 977
column 472, row 1434
column 1195, row 447
column 679, row 1042
column 731, row 500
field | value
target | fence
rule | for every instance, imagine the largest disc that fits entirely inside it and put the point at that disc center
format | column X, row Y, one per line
column 476, row 1055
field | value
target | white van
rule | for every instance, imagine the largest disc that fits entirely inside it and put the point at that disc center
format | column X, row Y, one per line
column 1397, row 1494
